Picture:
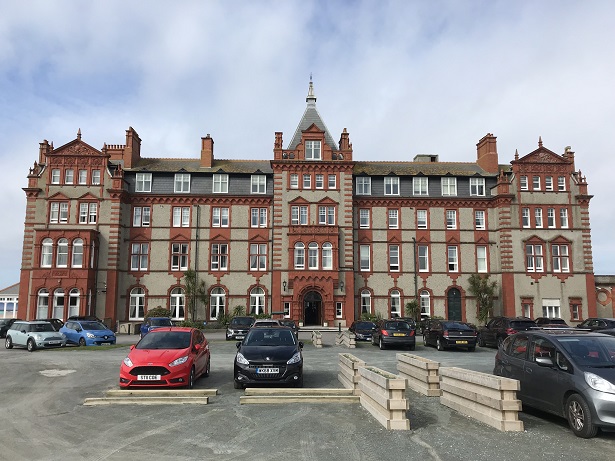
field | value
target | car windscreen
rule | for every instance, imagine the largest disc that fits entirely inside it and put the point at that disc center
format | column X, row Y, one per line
column 243, row 321
column 162, row 322
column 39, row 327
column 522, row 324
column 3, row 322
column 93, row 326
column 456, row 326
column 598, row 352
column 269, row 337
column 396, row 326
column 165, row 340
column 364, row 325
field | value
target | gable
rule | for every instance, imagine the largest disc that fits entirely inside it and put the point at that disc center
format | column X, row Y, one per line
column 542, row 155
column 75, row 148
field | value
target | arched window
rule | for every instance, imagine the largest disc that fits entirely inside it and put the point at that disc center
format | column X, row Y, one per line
column 395, row 304
column 366, row 302
column 425, row 302
column 62, row 258
column 58, row 304
column 77, row 253
column 257, row 301
column 42, row 304
column 178, row 304
column 137, row 304
column 73, row 302
column 313, row 255
column 327, row 256
column 216, row 303
column 46, row 255
column 299, row 255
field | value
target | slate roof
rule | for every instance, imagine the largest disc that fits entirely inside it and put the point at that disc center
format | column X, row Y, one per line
column 427, row 169
column 13, row 290
column 176, row 165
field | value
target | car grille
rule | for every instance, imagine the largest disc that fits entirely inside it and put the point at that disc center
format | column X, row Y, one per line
column 281, row 368
column 149, row 371
column 54, row 338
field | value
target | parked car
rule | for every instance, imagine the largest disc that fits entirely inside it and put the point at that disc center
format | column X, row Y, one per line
column 87, row 333
column 238, row 327
column 444, row 334
column 269, row 355
column 499, row 328
column 363, row 330
column 541, row 321
column 608, row 331
column 570, row 373
column 266, row 323
column 55, row 323
column 595, row 324
column 91, row 318
column 5, row 324
column 394, row 332
column 291, row 324
column 152, row 323
column 33, row 335
column 167, row 357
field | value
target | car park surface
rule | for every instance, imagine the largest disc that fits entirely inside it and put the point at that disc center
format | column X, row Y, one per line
column 46, row 404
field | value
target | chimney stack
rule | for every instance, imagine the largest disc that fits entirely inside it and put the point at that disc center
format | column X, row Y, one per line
column 487, row 153
column 207, row 151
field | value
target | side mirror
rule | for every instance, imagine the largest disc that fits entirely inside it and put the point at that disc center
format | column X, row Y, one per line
column 132, row 347
column 301, row 344
column 79, row 330
column 197, row 347
column 238, row 344
column 544, row 361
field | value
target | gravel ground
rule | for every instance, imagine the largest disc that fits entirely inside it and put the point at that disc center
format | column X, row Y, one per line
column 44, row 418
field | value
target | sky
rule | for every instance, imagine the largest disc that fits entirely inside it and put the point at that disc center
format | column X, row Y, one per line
column 404, row 77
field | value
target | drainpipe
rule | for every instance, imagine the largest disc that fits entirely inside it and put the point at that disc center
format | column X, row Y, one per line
column 416, row 289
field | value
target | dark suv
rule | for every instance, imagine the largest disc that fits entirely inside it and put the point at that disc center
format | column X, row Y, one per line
column 569, row 373
column 238, row 327
column 596, row 324
column 449, row 333
column 5, row 324
column 500, row 328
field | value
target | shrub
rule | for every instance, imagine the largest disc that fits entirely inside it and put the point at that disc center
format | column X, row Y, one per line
column 158, row 311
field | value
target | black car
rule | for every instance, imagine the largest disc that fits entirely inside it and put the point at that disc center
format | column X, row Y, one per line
column 269, row 355
column 541, row 321
column 55, row 323
column 500, row 328
column 291, row 324
column 596, row 324
column 238, row 327
column 394, row 332
column 570, row 373
column 5, row 324
column 363, row 330
column 444, row 334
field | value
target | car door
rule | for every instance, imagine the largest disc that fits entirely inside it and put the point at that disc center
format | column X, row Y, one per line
column 490, row 331
column 71, row 332
column 19, row 334
column 540, row 381
column 513, row 358
column 201, row 354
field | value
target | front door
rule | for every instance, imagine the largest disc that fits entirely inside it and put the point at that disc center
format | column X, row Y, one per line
column 312, row 304
column 454, row 304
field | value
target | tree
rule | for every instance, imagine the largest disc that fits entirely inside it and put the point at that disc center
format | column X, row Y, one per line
column 195, row 291
column 485, row 291
column 413, row 310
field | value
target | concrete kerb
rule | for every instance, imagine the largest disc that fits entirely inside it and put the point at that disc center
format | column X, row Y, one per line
column 153, row 397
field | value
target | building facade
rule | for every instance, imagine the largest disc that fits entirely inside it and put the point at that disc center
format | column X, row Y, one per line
column 311, row 233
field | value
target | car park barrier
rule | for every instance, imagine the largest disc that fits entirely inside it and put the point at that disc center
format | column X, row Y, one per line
column 317, row 339
column 487, row 398
column 422, row 374
column 383, row 395
column 346, row 338
column 153, row 397
column 349, row 372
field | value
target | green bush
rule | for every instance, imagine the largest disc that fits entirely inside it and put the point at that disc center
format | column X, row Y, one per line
column 158, row 311
column 371, row 317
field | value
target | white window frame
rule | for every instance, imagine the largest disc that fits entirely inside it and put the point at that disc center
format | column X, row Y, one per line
column 339, row 310
column 479, row 219
column 307, row 181
column 332, row 184
column 425, row 302
column 141, row 216
column 313, row 150
column 393, row 220
column 551, row 218
column 42, row 304
column 137, row 304
column 181, row 183
column 74, row 301
column 364, row 258
column 219, row 256
column 525, row 218
column 217, row 301
column 534, row 258
column 258, row 217
column 257, row 301
column 364, row 218
column 47, row 253
column 83, row 212
column 220, row 183
column 299, row 255
column 394, row 265
column 327, row 256
column 366, row 302
column 259, row 184
column 62, row 253
column 181, row 216
column 481, row 258
column 143, row 182
column 420, row 185
column 561, row 183
column 563, row 218
column 83, row 177
column 538, row 218
column 294, row 181
column 449, row 186
column 319, row 181
column 523, row 183
column 93, row 213
column 451, row 219
column 364, row 185
column 536, row 182
column 77, row 253
column 395, row 304
column 139, row 256
column 95, row 177
column 551, row 308
column 549, row 183
column 560, row 256
column 313, row 256
column 69, row 176
column 179, row 256
column 423, row 258
column 55, row 176
column 452, row 253
column 391, row 185
column 177, row 303
column 220, row 217
column 421, row 219
column 258, row 256
column 477, row 187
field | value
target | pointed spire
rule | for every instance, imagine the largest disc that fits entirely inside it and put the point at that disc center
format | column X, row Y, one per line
column 79, row 133
column 516, row 154
column 539, row 141
column 311, row 98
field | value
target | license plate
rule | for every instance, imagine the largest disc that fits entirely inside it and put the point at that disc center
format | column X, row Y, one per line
column 148, row 378
column 399, row 334
column 240, row 337
column 267, row 371
column 54, row 342
column 461, row 342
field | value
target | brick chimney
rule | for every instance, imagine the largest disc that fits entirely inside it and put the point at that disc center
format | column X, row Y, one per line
column 207, row 151
column 132, row 152
column 487, row 153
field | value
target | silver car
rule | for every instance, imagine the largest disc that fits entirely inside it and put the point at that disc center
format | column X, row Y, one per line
column 33, row 335
column 567, row 372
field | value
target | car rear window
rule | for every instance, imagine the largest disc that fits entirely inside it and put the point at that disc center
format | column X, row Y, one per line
column 522, row 324
column 455, row 326
column 396, row 326
column 242, row 321
column 364, row 325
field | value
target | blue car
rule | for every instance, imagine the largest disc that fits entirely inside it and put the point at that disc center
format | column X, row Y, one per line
column 87, row 333
column 154, row 322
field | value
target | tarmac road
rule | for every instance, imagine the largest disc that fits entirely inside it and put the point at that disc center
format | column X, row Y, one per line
column 44, row 419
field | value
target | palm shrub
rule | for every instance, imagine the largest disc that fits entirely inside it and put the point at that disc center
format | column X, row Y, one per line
column 485, row 292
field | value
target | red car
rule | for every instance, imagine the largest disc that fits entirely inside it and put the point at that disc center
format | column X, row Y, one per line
column 167, row 357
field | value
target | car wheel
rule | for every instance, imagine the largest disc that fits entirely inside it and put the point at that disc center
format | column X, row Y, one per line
column 82, row 342
column 228, row 338
column 31, row 345
column 381, row 345
column 237, row 385
column 439, row 345
column 191, row 379
column 580, row 417
column 8, row 343
column 373, row 341
column 299, row 382
column 207, row 368
column 500, row 341
column 471, row 349
column 481, row 341
column 424, row 340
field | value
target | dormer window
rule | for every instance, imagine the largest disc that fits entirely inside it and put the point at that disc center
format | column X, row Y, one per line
column 312, row 150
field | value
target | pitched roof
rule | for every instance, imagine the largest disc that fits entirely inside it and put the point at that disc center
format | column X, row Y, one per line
column 311, row 117
column 427, row 168
column 192, row 165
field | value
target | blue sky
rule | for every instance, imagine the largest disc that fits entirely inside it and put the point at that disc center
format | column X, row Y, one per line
column 404, row 77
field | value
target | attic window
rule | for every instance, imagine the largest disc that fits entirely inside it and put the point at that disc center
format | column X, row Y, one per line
column 312, row 150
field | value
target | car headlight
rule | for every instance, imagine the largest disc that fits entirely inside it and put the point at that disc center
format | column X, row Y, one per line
column 179, row 361
column 128, row 362
column 63, row 335
column 241, row 359
column 90, row 335
column 294, row 359
column 598, row 383
column 38, row 337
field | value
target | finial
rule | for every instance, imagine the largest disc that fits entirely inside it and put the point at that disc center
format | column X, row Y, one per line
column 79, row 134
column 310, row 96
column 516, row 154
column 539, row 141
